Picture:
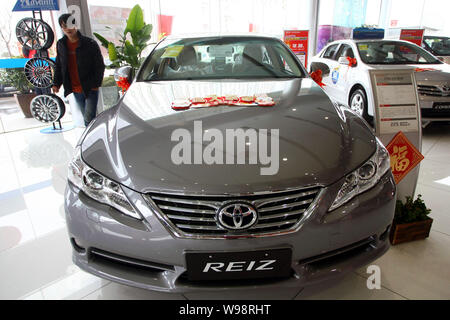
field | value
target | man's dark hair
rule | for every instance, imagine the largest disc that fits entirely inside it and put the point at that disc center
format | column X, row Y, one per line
column 63, row 19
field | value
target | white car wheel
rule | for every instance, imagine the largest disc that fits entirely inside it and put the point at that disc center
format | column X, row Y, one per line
column 357, row 104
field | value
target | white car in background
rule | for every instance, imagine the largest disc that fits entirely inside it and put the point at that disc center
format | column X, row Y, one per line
column 351, row 86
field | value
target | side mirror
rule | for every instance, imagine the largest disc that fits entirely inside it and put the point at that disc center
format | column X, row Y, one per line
column 343, row 60
column 123, row 72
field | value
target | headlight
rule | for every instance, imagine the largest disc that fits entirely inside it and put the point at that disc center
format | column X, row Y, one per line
column 98, row 187
column 364, row 178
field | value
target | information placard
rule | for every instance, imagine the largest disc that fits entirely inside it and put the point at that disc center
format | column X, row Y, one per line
column 397, row 111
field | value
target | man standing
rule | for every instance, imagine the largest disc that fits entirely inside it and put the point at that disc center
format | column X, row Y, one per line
column 79, row 68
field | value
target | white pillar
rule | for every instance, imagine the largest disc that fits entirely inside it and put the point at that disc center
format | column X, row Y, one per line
column 314, row 21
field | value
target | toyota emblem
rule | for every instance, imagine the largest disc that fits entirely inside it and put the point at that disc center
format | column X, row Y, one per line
column 237, row 216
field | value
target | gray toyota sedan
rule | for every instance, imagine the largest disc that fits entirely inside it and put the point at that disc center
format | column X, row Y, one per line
column 225, row 166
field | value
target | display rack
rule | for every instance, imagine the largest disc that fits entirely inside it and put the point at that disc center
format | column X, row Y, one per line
column 39, row 70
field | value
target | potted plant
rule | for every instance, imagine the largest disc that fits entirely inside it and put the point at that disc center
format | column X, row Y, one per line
column 129, row 52
column 411, row 221
column 16, row 77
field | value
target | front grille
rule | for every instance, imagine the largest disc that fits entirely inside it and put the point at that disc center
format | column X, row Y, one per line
column 194, row 216
column 434, row 91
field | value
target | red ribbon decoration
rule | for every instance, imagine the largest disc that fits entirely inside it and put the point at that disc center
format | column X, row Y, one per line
column 123, row 84
column 351, row 62
column 317, row 77
column 424, row 69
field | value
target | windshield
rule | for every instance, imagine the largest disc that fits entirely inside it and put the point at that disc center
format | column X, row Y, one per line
column 394, row 52
column 220, row 58
column 440, row 46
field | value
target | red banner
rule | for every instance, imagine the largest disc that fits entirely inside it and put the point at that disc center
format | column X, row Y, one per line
column 404, row 156
column 297, row 40
column 165, row 24
column 412, row 35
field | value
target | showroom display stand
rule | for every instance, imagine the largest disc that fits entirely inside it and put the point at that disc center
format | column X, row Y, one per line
column 397, row 110
column 39, row 71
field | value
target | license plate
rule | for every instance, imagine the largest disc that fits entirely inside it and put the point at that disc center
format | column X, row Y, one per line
column 442, row 106
column 275, row 263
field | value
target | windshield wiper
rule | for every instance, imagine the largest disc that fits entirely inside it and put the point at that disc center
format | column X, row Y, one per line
column 256, row 62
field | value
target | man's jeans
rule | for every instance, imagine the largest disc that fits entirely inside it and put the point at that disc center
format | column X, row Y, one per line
column 87, row 105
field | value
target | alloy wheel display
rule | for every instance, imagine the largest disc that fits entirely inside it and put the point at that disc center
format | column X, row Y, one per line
column 47, row 108
column 34, row 34
column 39, row 72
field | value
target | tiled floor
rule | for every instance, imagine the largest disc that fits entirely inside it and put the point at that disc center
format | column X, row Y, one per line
column 35, row 254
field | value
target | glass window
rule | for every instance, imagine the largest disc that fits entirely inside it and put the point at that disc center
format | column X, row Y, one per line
column 330, row 51
column 345, row 51
column 394, row 52
column 439, row 45
column 220, row 58
column 337, row 18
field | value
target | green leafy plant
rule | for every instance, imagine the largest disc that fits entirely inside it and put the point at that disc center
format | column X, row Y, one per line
column 411, row 211
column 16, row 78
column 129, row 52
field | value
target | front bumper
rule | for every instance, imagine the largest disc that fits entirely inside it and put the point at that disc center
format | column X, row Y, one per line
column 434, row 108
column 146, row 255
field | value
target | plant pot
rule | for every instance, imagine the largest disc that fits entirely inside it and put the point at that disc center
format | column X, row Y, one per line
column 24, row 100
column 406, row 232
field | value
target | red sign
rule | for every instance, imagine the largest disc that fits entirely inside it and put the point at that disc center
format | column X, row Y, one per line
column 404, row 156
column 297, row 40
column 412, row 35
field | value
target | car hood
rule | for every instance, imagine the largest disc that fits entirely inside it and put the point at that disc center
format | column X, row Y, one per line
column 318, row 142
column 440, row 72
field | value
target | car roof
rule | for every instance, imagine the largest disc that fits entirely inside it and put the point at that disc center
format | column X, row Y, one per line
column 220, row 35
column 368, row 40
column 436, row 37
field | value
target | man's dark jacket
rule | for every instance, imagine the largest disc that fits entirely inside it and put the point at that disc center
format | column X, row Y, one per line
column 90, row 65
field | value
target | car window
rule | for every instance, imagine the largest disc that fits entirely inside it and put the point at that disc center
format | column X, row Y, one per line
column 345, row 51
column 330, row 51
column 220, row 58
column 394, row 52
column 440, row 45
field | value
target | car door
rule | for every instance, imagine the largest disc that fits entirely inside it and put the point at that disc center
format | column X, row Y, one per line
column 328, row 58
column 346, row 73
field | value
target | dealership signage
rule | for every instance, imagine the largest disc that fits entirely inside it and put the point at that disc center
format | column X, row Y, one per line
column 398, row 124
column 297, row 40
column 35, row 5
column 412, row 35
column 367, row 33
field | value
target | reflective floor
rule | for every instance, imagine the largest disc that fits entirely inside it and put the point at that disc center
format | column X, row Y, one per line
column 35, row 254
